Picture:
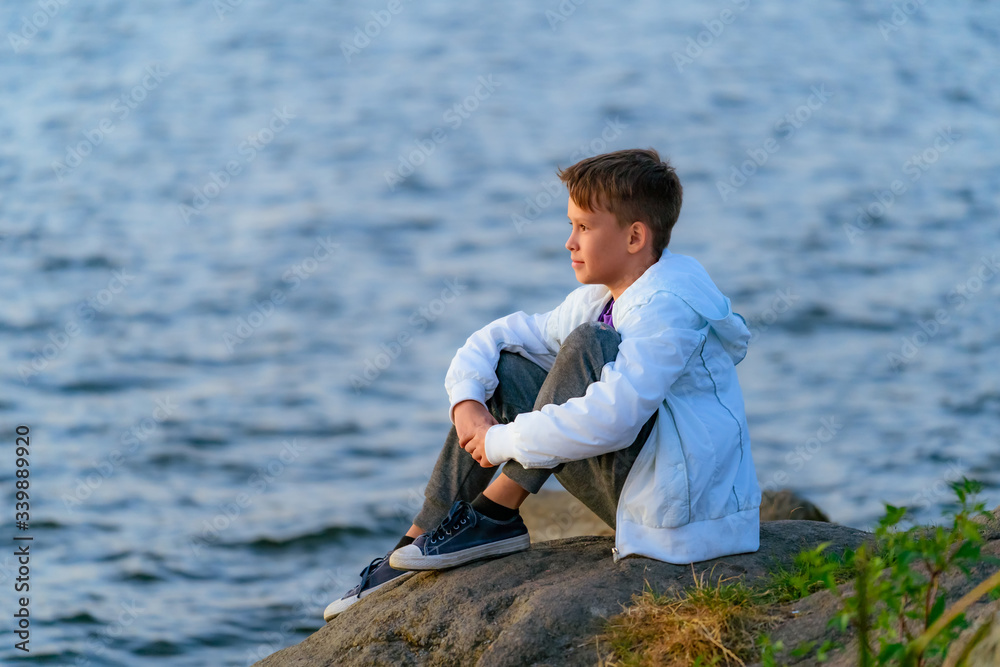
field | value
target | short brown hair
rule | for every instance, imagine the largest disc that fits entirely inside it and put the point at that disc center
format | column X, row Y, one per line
column 634, row 185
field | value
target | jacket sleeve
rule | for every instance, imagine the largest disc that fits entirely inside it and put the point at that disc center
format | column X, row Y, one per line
column 658, row 339
column 472, row 373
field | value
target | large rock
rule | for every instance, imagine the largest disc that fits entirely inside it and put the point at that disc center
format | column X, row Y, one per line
column 543, row 606
column 785, row 504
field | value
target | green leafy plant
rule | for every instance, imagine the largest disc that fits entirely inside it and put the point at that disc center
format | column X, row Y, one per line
column 898, row 605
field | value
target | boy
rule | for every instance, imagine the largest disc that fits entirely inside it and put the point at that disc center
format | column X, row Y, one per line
column 627, row 392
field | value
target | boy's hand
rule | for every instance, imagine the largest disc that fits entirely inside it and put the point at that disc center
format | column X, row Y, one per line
column 472, row 421
column 477, row 449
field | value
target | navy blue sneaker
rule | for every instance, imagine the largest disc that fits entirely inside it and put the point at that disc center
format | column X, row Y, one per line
column 465, row 535
column 377, row 574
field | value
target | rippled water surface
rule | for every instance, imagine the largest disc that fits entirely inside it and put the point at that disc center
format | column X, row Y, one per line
column 240, row 242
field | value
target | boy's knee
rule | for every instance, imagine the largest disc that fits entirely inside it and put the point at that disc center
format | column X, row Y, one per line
column 593, row 336
column 509, row 363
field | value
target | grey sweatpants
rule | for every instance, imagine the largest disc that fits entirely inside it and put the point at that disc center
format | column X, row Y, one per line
column 525, row 386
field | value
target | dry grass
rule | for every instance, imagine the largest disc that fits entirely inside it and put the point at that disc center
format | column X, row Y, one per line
column 708, row 625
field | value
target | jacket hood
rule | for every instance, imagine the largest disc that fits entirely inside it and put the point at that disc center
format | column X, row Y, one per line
column 686, row 278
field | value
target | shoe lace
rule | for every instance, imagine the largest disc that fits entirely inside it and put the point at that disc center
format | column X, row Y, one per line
column 367, row 572
column 458, row 516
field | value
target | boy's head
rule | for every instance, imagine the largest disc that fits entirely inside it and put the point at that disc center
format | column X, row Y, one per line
column 634, row 185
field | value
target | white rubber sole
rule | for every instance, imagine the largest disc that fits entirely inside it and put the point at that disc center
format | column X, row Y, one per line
column 337, row 607
column 411, row 558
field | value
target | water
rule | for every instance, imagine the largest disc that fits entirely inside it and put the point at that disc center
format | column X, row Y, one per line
column 205, row 473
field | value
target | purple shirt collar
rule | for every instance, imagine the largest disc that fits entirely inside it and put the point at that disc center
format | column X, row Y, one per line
column 606, row 314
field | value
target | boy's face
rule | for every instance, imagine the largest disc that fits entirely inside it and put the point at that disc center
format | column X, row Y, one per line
column 598, row 247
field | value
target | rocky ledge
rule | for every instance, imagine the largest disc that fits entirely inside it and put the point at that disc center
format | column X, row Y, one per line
column 546, row 606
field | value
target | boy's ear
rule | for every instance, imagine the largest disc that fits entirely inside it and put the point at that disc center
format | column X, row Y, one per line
column 640, row 236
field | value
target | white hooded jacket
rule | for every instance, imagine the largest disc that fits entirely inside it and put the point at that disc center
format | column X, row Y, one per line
column 692, row 494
